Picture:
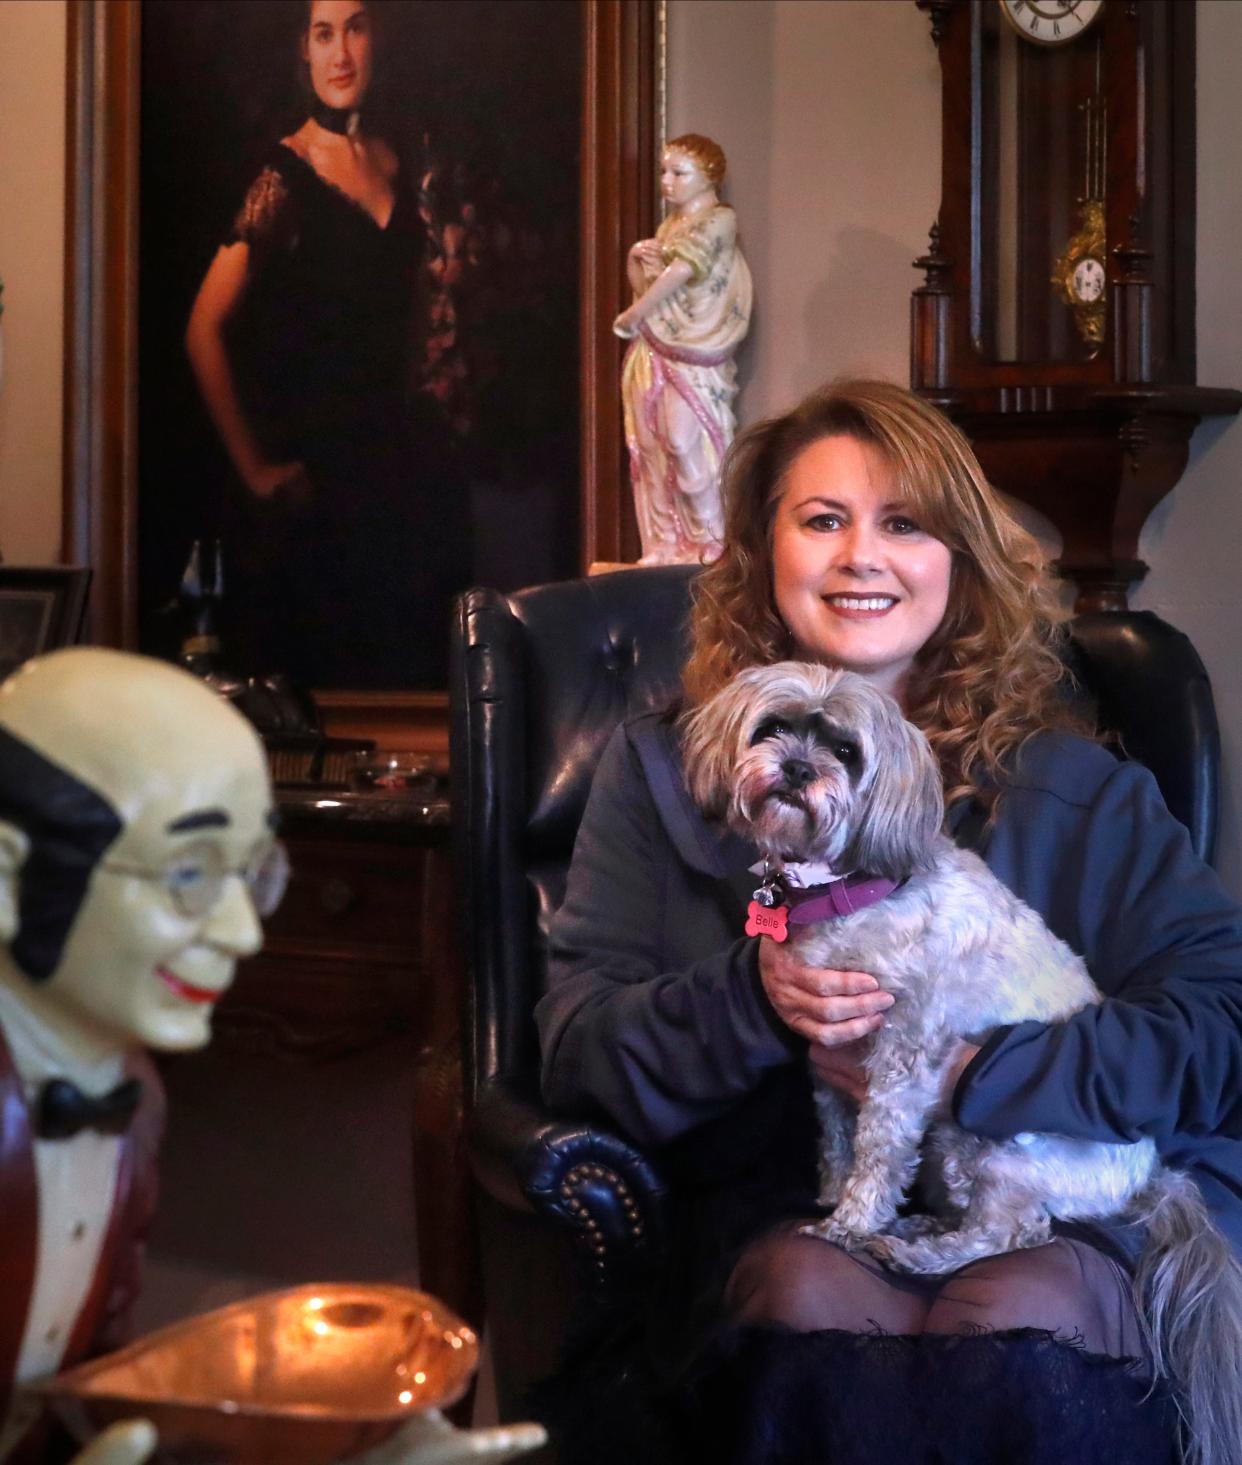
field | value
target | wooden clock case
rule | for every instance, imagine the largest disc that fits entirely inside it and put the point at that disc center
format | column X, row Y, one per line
column 1092, row 438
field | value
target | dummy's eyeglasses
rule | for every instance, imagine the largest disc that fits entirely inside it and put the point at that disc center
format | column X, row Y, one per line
column 195, row 878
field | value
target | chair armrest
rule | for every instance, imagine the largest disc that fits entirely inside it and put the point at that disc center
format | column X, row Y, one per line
column 580, row 1175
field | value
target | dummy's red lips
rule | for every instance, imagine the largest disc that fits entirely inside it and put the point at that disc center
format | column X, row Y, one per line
column 186, row 990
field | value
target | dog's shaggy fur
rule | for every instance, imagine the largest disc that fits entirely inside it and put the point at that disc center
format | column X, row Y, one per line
column 819, row 768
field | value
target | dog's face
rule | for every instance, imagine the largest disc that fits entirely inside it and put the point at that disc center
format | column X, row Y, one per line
column 814, row 764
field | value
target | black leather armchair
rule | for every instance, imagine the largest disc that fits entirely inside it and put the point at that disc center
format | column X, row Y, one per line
column 539, row 679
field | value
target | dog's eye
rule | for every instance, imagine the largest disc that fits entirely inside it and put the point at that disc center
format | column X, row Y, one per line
column 845, row 753
column 771, row 727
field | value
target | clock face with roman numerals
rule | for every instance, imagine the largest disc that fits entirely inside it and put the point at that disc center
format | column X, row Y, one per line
column 1051, row 22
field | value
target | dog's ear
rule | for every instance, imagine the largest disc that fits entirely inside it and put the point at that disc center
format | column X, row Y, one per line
column 714, row 736
column 903, row 800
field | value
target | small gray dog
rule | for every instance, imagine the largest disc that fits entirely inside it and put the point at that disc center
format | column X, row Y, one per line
column 843, row 798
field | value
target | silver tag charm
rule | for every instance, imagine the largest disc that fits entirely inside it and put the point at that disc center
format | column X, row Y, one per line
column 771, row 892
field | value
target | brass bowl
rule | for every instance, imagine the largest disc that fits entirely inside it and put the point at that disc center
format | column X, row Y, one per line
column 304, row 1376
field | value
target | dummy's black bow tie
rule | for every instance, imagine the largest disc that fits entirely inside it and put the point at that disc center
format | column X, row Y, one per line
column 63, row 1110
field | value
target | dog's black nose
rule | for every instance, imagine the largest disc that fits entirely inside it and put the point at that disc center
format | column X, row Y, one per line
column 798, row 773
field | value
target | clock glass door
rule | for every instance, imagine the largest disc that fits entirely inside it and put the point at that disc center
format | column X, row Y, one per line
column 1040, row 163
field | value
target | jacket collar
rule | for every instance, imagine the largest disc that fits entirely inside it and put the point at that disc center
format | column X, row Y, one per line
column 704, row 845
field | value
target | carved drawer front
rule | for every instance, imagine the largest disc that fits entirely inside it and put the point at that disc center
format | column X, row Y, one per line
column 343, row 958
column 353, row 898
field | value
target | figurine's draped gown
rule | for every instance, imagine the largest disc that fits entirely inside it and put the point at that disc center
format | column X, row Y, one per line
column 686, row 347
column 348, row 584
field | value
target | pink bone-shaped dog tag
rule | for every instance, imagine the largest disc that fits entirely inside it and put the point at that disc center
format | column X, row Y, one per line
column 767, row 921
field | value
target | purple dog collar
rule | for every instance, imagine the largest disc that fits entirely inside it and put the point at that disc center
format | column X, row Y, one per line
column 842, row 897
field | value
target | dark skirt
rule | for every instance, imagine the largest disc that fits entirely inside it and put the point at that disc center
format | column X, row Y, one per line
column 765, row 1396
column 346, row 578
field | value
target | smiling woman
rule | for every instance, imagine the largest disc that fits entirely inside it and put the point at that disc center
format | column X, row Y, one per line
column 859, row 583
column 863, row 575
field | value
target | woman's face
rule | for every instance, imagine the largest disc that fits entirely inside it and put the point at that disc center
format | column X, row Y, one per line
column 337, row 48
column 682, row 180
column 857, row 581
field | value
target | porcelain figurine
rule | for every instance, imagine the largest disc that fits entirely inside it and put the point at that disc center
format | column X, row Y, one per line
column 136, row 842
column 691, row 310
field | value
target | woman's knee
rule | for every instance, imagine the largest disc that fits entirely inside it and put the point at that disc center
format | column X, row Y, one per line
column 809, row 1285
column 1065, row 1288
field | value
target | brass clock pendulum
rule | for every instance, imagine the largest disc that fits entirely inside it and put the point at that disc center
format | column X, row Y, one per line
column 1079, row 274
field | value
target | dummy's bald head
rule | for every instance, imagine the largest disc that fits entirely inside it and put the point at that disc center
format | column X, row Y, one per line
column 92, row 743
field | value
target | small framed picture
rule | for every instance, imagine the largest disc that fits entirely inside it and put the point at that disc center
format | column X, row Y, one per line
column 41, row 608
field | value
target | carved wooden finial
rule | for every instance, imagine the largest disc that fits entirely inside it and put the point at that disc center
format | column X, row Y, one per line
column 938, row 11
column 1133, row 255
column 935, row 263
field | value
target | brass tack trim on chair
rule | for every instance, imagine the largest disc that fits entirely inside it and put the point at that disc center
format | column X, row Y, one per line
column 589, row 1233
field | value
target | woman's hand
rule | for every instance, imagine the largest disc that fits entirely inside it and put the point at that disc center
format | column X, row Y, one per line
column 267, row 479
column 842, row 1067
column 962, row 1054
column 828, row 1007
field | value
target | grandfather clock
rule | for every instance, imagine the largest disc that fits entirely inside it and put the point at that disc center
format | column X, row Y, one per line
column 1056, row 325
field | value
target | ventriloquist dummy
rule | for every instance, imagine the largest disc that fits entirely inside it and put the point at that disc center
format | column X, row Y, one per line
column 135, row 844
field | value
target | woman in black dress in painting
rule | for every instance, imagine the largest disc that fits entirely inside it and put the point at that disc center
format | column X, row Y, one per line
column 347, row 534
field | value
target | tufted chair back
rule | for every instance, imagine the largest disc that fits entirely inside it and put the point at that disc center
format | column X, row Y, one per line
column 540, row 679
column 1153, row 697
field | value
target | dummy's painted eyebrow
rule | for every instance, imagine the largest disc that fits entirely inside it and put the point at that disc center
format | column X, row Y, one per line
column 201, row 819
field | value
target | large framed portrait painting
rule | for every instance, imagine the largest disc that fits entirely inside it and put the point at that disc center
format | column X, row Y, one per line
column 353, row 325
column 395, row 358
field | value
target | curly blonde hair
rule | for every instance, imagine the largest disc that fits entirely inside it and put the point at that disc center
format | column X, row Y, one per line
column 990, row 675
